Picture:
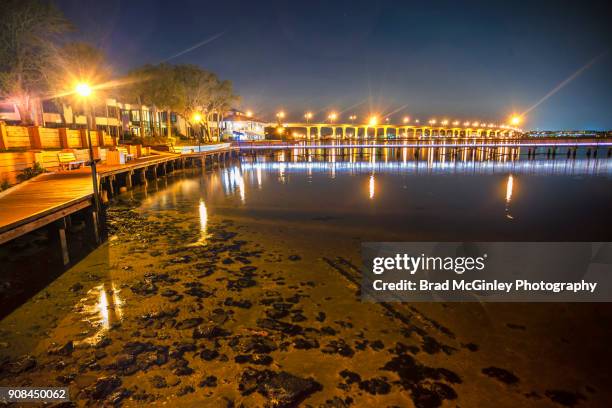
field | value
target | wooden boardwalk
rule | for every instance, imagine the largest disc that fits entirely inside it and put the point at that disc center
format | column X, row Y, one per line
column 52, row 196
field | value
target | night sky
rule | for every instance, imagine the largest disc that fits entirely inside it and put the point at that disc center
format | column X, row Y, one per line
column 453, row 60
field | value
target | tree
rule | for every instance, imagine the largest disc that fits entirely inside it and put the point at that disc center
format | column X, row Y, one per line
column 156, row 85
column 185, row 89
column 222, row 101
column 205, row 94
column 74, row 63
column 29, row 29
column 198, row 85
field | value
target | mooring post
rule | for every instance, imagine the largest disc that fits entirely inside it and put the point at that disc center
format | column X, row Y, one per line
column 91, row 220
column 128, row 179
column 111, row 180
column 61, row 226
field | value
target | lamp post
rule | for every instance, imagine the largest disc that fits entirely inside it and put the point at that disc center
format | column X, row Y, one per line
column 85, row 91
column 515, row 120
column 280, row 116
column 198, row 119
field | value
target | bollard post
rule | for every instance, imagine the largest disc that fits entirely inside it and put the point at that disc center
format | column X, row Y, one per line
column 61, row 226
column 128, row 179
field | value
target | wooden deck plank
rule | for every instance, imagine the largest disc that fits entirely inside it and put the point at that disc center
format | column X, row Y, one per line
column 38, row 199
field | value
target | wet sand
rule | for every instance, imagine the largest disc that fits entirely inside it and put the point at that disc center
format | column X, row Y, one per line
column 239, row 311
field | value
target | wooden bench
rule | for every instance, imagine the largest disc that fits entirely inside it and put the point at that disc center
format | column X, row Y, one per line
column 67, row 160
column 124, row 151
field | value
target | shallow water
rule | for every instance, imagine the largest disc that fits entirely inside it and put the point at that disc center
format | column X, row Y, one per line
column 382, row 196
column 279, row 235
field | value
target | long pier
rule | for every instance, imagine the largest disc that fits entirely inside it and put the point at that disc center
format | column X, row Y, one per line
column 51, row 198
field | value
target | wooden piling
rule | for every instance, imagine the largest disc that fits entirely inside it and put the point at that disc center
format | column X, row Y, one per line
column 61, row 228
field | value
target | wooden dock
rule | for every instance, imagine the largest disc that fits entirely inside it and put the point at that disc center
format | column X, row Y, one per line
column 51, row 197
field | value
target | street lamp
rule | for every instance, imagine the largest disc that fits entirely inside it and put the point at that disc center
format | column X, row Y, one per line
column 352, row 118
column 197, row 118
column 332, row 117
column 249, row 114
column 373, row 121
column 280, row 116
column 84, row 91
column 515, row 120
column 406, row 119
column 308, row 116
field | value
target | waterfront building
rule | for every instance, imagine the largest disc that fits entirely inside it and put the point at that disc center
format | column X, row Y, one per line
column 118, row 119
column 237, row 125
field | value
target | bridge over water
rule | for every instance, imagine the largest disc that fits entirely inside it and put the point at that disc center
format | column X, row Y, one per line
column 310, row 131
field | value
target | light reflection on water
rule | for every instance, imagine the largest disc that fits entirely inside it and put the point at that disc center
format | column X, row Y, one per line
column 509, row 188
column 431, row 197
column 101, row 307
column 203, row 212
column 560, row 167
column 372, row 186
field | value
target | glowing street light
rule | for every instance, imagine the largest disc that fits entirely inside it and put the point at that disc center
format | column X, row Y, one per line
column 406, row 119
column 249, row 114
column 84, row 91
column 516, row 120
column 373, row 121
column 332, row 116
column 308, row 116
column 432, row 121
column 280, row 115
column 444, row 122
column 417, row 121
column 456, row 123
column 197, row 118
column 466, row 123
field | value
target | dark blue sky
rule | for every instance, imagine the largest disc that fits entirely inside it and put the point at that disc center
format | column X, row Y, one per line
column 463, row 60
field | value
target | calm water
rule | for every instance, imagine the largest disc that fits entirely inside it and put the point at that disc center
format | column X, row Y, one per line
column 352, row 195
column 388, row 194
